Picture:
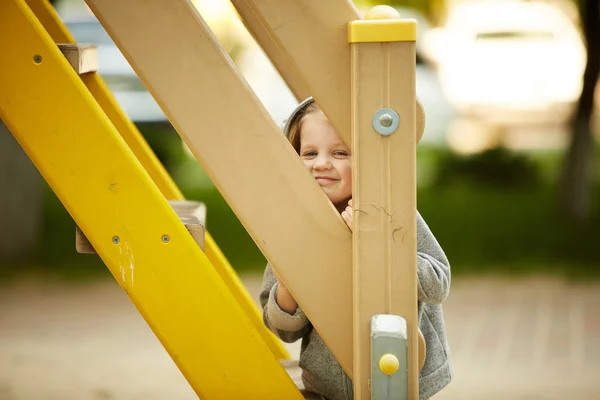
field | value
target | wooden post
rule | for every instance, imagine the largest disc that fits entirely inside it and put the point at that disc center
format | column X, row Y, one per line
column 384, row 196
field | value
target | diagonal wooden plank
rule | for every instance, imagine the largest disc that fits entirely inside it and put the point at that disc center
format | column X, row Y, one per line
column 307, row 41
column 244, row 153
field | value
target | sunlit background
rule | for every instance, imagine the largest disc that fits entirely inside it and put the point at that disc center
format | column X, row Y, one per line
column 513, row 202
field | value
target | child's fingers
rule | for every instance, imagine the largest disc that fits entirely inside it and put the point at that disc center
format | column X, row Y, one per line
column 347, row 218
column 349, row 213
column 350, row 202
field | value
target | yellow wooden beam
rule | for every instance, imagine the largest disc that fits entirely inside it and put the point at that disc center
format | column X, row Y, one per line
column 110, row 196
column 245, row 154
column 50, row 20
column 191, row 213
column 138, row 145
column 384, row 195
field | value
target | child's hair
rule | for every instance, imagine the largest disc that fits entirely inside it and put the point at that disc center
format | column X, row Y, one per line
column 294, row 123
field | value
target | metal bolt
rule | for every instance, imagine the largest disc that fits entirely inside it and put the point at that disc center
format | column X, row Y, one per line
column 116, row 240
column 386, row 120
column 37, row 59
column 166, row 238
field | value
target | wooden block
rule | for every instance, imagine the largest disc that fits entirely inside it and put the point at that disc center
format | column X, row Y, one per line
column 191, row 213
column 82, row 57
column 82, row 244
column 193, row 216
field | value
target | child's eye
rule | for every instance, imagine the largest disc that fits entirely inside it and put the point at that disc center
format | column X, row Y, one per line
column 310, row 153
column 340, row 153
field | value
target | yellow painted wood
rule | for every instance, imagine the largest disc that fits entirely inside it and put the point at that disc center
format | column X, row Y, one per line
column 245, row 154
column 191, row 213
column 50, row 20
column 132, row 136
column 363, row 31
column 384, row 201
column 110, row 195
column 138, row 145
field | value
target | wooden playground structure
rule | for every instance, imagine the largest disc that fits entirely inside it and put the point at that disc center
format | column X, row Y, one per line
column 129, row 211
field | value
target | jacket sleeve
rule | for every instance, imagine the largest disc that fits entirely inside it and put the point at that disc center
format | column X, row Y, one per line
column 433, row 268
column 288, row 327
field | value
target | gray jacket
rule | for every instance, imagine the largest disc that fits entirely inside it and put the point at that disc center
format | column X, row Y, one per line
column 322, row 374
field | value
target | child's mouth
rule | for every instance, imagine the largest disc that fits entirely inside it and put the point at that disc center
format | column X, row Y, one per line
column 323, row 180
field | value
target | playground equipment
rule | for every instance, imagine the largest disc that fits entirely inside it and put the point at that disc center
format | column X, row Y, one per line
column 362, row 74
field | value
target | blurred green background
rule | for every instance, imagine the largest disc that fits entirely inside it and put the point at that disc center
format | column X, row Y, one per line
column 493, row 212
column 496, row 209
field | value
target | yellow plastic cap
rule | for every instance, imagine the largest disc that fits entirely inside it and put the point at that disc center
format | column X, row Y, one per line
column 389, row 364
column 382, row 12
column 382, row 24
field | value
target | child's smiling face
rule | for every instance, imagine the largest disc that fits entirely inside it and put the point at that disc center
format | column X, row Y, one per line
column 327, row 157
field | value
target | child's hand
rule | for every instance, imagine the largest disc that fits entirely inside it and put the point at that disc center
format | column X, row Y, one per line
column 347, row 214
column 284, row 299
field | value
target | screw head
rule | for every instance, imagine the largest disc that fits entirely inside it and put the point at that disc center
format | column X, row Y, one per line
column 116, row 240
column 165, row 238
column 37, row 59
column 386, row 120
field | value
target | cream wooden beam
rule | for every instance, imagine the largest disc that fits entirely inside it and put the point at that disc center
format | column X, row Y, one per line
column 384, row 201
column 307, row 42
column 243, row 151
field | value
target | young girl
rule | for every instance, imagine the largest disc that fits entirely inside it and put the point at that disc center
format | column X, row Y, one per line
column 328, row 159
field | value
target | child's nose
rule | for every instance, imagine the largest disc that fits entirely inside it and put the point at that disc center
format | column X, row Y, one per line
column 322, row 163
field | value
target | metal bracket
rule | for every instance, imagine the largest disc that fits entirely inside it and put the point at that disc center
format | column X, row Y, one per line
column 385, row 121
column 389, row 358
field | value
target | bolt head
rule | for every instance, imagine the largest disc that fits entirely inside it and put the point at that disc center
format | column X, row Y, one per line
column 166, row 239
column 116, row 240
column 386, row 120
column 37, row 59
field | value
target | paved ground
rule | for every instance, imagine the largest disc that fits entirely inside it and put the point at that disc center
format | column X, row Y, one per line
column 522, row 339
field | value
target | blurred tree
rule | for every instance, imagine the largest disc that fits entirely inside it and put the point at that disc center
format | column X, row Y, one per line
column 21, row 200
column 577, row 171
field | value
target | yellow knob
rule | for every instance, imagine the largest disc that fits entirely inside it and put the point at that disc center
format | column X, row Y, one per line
column 382, row 12
column 389, row 364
